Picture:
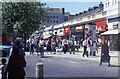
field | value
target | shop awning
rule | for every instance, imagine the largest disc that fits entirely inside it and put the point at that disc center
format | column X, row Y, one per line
column 111, row 32
column 46, row 36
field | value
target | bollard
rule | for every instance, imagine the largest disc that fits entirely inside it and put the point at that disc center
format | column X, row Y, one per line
column 39, row 71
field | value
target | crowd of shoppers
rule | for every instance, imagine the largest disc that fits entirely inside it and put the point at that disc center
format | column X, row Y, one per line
column 53, row 43
column 90, row 46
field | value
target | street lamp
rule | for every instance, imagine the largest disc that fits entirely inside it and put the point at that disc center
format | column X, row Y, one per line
column 15, row 30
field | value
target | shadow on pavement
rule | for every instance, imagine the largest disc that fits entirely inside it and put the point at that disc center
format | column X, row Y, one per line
column 47, row 57
column 114, row 66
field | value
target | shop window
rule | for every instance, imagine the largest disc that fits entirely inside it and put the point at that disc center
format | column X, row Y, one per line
column 93, row 16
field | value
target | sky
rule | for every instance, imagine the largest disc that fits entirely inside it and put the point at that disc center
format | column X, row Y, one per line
column 72, row 6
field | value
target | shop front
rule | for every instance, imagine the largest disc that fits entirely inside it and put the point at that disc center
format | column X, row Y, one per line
column 113, row 37
column 113, row 34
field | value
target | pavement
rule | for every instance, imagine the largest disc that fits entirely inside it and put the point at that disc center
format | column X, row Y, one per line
column 78, row 55
column 72, row 65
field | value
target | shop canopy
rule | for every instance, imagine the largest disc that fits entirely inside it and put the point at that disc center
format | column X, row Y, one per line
column 111, row 32
column 46, row 36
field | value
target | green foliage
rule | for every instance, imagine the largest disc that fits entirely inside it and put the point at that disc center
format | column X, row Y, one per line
column 28, row 15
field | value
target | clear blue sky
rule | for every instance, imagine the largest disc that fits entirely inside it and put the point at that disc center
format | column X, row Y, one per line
column 72, row 7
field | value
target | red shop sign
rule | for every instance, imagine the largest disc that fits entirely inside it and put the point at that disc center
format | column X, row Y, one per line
column 67, row 30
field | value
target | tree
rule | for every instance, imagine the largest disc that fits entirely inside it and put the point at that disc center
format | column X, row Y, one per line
column 28, row 15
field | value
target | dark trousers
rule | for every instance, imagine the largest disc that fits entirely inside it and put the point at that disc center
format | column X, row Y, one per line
column 16, row 77
column 85, row 51
column 32, row 48
column 65, row 48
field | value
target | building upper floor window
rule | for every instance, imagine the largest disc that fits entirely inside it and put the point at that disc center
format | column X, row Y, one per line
column 47, row 21
column 56, row 16
column 53, row 21
column 108, row 4
column 56, row 21
column 112, row 2
column 50, row 16
column 115, row 2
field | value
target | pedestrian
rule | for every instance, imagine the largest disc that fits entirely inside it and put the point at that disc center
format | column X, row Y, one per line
column 76, row 45
column 3, row 67
column 41, row 45
column 53, row 45
column 49, row 45
column 32, row 44
column 105, row 57
column 85, row 43
column 81, row 41
column 65, row 47
column 15, row 67
column 21, row 51
column 94, row 48
column 90, row 45
column 71, row 46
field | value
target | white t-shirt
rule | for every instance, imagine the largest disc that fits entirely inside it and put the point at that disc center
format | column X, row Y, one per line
column 41, row 42
column 85, row 43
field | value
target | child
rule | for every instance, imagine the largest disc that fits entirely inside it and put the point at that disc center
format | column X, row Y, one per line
column 3, row 66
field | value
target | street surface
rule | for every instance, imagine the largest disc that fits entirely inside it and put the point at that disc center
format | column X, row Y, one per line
column 71, row 65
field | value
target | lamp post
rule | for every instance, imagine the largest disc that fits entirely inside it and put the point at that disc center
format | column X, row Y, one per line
column 83, row 29
column 15, row 30
column 52, row 30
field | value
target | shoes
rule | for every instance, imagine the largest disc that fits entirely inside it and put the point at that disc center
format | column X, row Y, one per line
column 108, row 65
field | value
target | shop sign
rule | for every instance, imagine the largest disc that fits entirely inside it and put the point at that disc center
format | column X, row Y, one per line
column 115, row 25
column 93, row 16
column 79, row 29
column 67, row 30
